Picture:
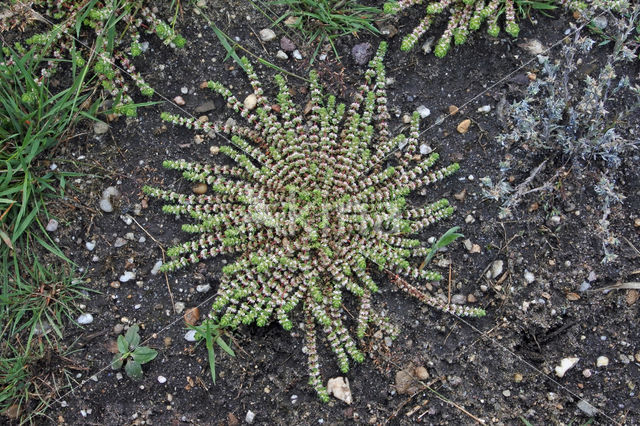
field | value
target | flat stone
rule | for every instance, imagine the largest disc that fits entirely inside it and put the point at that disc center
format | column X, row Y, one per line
column 282, row 55
column 287, row 45
column 423, row 111
column 205, row 107
column 361, row 53
column 250, row 102
column 267, row 34
column 463, row 127
column 52, row 226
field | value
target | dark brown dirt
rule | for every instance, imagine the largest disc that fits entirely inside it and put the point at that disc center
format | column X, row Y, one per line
column 499, row 368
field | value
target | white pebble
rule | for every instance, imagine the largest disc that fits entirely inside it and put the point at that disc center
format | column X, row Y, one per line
column 184, row 90
column 127, row 276
column 90, row 245
column 162, row 379
column 565, row 365
column 250, row 417
column 156, row 267
column 297, row 55
column 105, row 206
column 179, row 307
column 267, row 34
column 203, row 288
column 179, row 101
column 484, row 108
column 190, row 336
column 128, row 220
column 95, row 258
column 53, row 166
column 52, row 225
column 282, row 55
column 602, row 361
column 425, row 149
column 423, row 111
column 529, row 277
column 85, row 319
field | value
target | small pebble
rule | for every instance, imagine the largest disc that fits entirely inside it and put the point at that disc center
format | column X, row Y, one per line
column 52, row 226
column 387, row 341
column 190, row 336
column 453, row 110
column 156, row 267
column 90, row 245
column 267, row 34
column 118, row 328
column 119, row 242
column 423, row 111
column 517, row 377
column 297, row 55
column 127, row 276
column 205, row 107
column 484, row 108
column 602, row 361
column 100, row 127
column 250, row 417
column 463, row 127
column 179, row 307
column 282, row 55
column 458, row 299
column 428, row 45
column 250, row 102
column 471, row 298
column 469, row 219
column 361, row 53
column 162, row 379
column 421, row 373
column 506, row 393
column 107, row 196
column 587, row 408
column 495, row 270
column 586, row 373
column 179, row 100
column 203, row 288
column 529, row 277
column 85, row 319
column 287, row 45
column 425, row 149
column 199, row 188
column 565, row 365
column 192, row 316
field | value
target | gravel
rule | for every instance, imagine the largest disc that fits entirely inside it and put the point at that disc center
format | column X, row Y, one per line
column 52, row 226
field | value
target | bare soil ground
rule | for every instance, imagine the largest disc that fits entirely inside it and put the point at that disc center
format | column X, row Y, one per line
column 497, row 369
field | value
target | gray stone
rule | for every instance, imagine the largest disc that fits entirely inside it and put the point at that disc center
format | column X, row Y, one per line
column 287, row 45
column 362, row 53
column 205, row 107
column 100, row 127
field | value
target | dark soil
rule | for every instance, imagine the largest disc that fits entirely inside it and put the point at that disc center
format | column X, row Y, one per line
column 499, row 368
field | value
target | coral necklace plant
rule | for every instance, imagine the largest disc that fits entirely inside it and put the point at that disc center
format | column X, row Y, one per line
column 311, row 206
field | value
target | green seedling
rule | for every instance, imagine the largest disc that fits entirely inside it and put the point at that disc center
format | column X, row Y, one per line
column 447, row 238
column 211, row 331
column 131, row 352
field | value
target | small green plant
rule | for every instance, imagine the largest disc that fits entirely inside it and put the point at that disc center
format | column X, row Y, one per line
column 211, row 331
column 469, row 15
column 132, row 354
column 447, row 238
column 314, row 203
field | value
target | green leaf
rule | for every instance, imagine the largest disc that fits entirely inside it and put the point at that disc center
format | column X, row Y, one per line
column 132, row 336
column 123, row 345
column 133, row 369
column 143, row 354
column 447, row 238
column 116, row 362
column 224, row 346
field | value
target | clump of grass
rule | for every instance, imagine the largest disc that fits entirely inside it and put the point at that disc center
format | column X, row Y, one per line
column 321, row 21
column 37, row 284
column 113, row 26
